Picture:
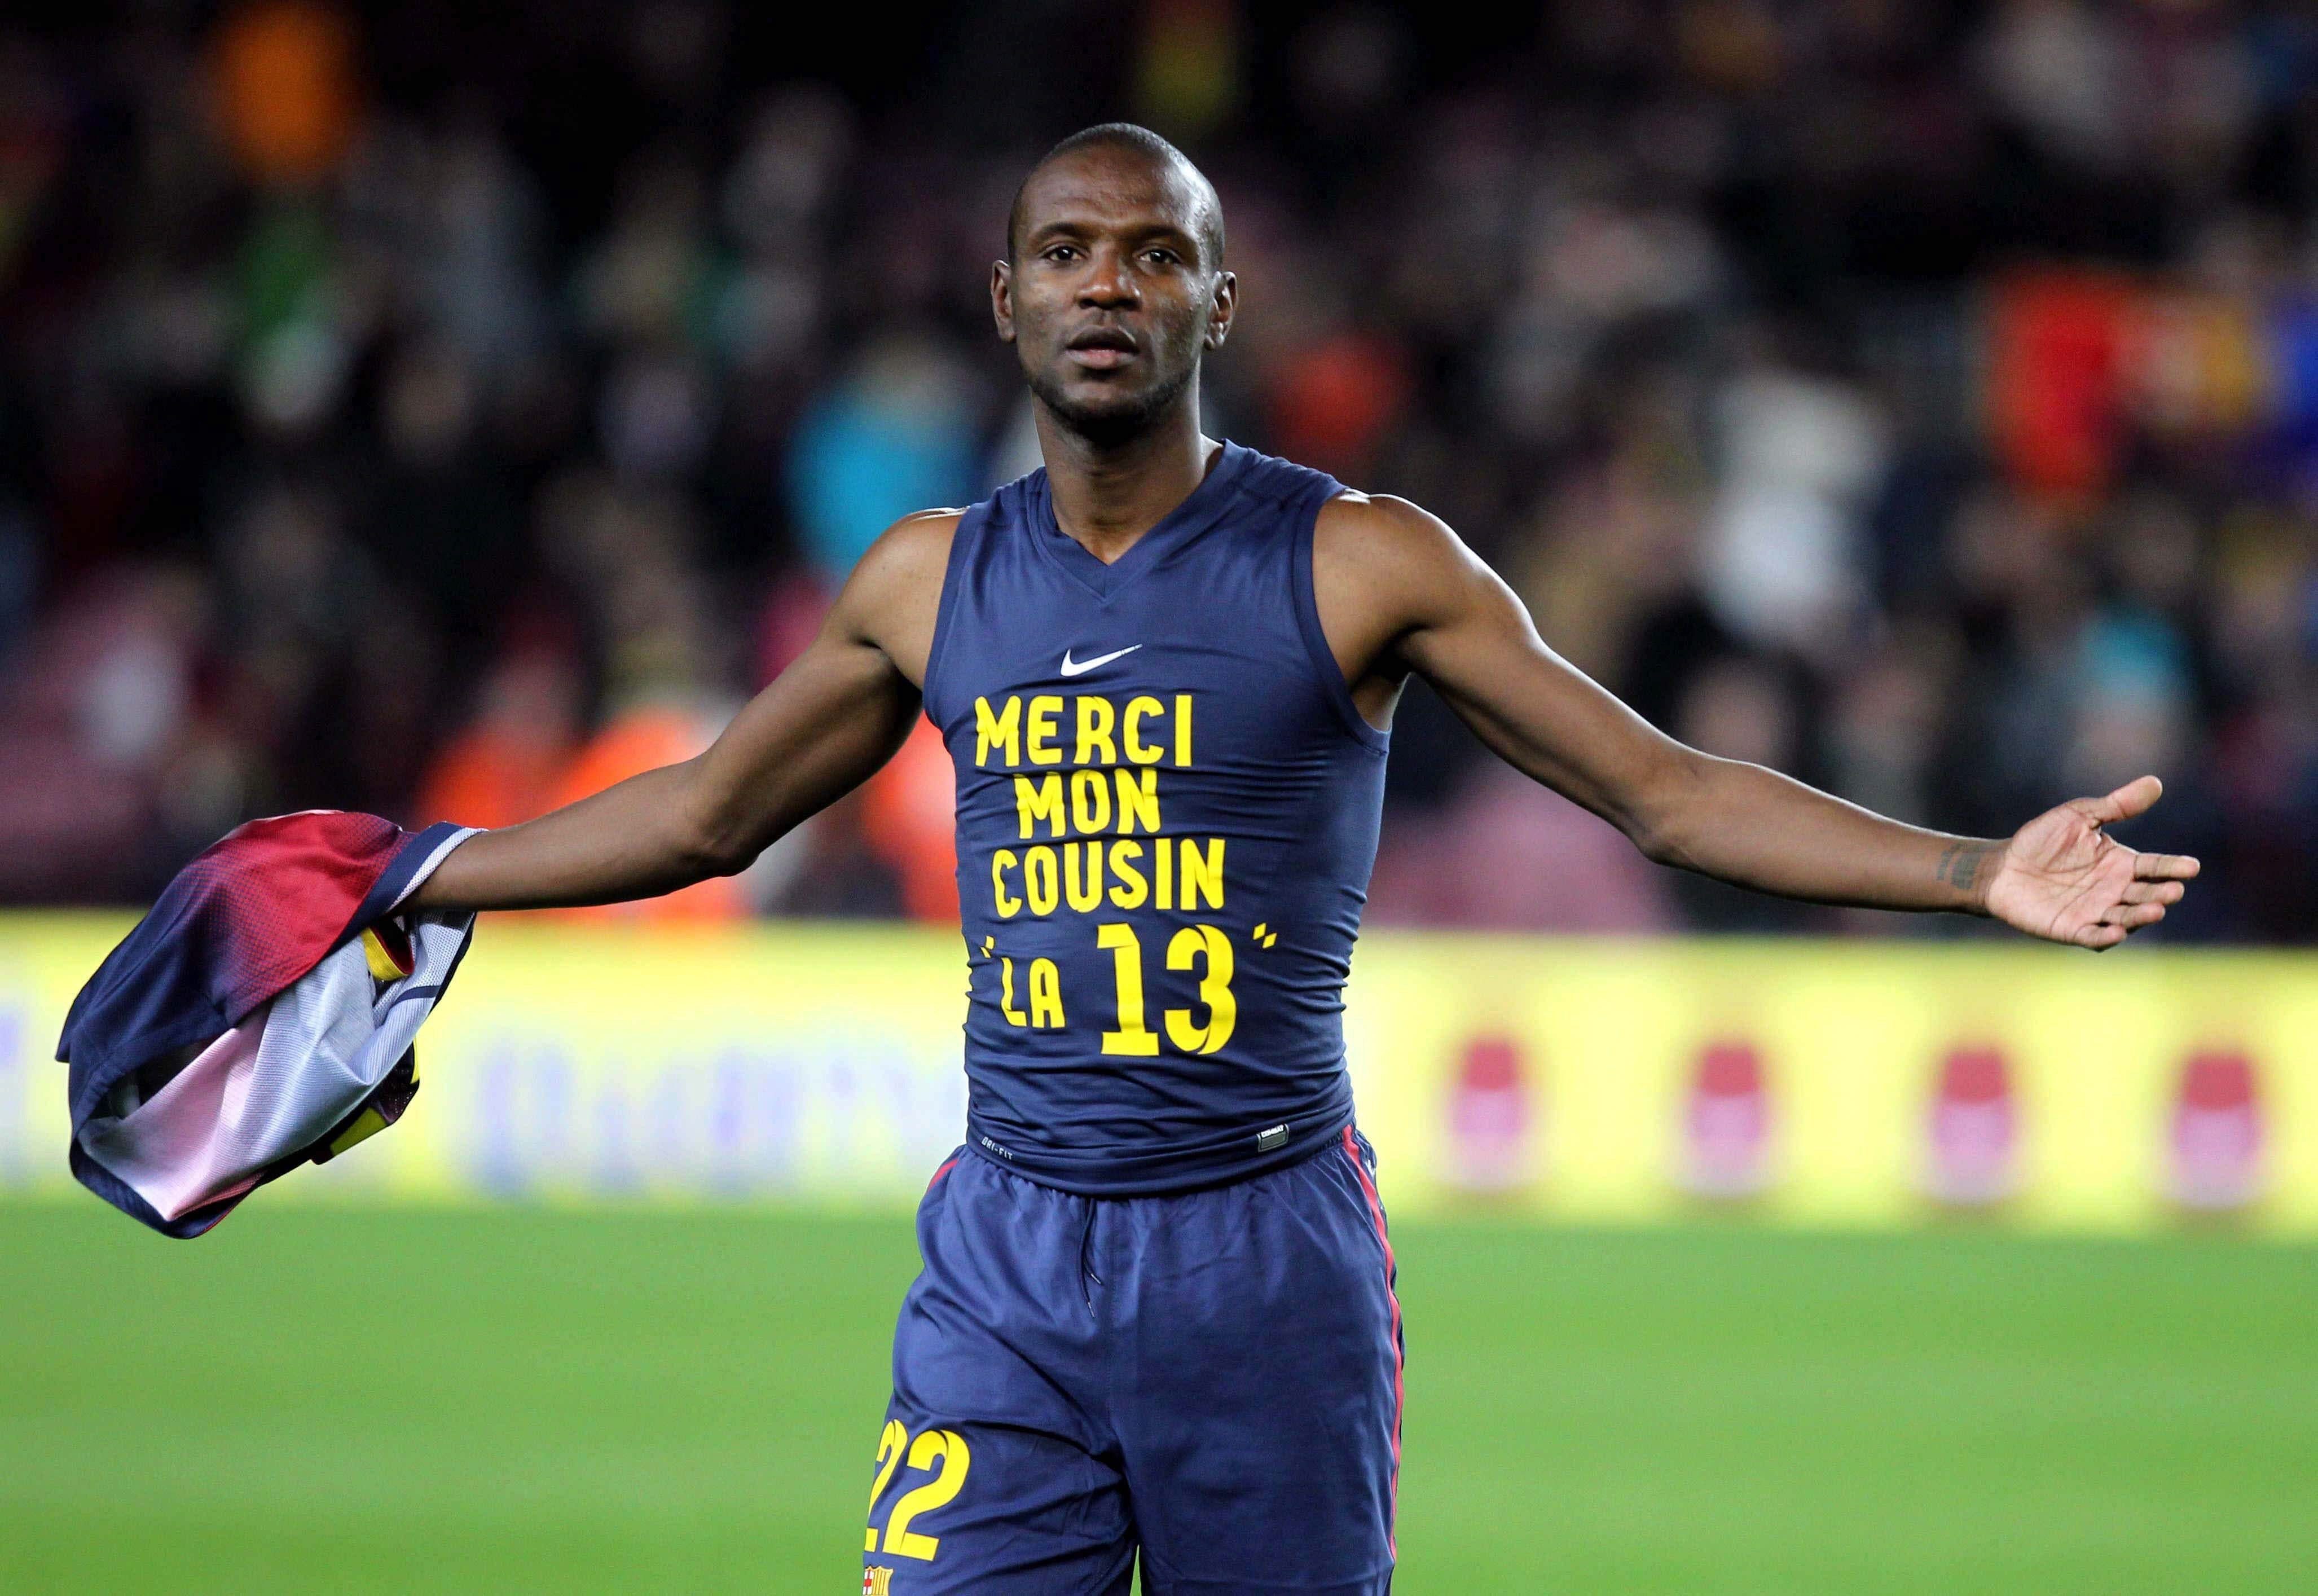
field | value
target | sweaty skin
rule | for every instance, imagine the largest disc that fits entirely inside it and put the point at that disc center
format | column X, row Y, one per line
column 1112, row 292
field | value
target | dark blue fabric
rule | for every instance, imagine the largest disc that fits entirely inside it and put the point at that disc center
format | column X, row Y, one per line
column 395, row 879
column 1189, row 676
column 1209, row 1379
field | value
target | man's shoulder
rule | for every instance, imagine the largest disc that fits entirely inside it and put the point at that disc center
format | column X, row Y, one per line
column 1381, row 565
column 928, row 527
column 1383, row 535
column 893, row 589
column 917, row 543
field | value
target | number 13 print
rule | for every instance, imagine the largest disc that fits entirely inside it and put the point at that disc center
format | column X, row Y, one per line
column 1203, row 947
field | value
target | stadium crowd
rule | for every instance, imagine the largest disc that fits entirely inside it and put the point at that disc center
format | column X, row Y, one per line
column 447, row 411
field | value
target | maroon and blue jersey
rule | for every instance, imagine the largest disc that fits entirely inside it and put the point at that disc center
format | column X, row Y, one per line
column 1167, row 811
column 261, row 1015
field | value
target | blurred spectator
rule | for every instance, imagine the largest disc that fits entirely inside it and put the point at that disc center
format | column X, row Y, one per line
column 450, row 412
column 1508, row 856
column 508, row 761
column 1781, row 564
column 894, row 435
column 285, row 89
column 1332, row 403
column 909, row 817
column 97, row 714
column 640, row 738
column 1888, row 726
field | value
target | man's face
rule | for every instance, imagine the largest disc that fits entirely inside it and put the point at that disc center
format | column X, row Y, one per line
column 1110, row 299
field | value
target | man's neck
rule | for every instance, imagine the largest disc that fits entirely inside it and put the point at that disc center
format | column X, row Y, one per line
column 1107, row 496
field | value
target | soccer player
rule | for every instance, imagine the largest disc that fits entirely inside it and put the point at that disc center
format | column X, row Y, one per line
column 1155, row 1313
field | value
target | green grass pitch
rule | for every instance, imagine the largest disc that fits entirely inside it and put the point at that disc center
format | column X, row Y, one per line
column 323, row 1400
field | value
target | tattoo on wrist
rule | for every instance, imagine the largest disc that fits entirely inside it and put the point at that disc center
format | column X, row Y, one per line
column 1960, row 864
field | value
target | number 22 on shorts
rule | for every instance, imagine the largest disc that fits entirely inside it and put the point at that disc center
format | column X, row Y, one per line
column 942, row 1453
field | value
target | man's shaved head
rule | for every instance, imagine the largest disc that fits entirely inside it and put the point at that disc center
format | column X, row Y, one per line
column 1140, row 141
column 1113, row 286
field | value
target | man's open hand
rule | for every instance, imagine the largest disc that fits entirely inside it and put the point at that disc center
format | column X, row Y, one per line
column 2063, row 878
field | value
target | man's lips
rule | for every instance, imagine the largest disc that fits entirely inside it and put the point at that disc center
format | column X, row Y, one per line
column 1102, row 349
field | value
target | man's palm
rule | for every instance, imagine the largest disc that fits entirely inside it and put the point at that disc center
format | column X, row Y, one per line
column 2063, row 878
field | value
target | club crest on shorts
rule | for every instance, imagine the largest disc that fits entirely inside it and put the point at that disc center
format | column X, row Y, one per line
column 877, row 1581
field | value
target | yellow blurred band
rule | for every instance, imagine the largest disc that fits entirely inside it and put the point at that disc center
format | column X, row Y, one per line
column 1868, row 1084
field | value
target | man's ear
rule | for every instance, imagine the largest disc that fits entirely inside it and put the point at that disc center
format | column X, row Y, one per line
column 1221, row 307
column 1001, row 300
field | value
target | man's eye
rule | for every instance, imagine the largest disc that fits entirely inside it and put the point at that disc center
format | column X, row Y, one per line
column 1165, row 257
column 1060, row 252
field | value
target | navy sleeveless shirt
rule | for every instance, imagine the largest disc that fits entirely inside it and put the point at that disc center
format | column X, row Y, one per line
column 1167, row 810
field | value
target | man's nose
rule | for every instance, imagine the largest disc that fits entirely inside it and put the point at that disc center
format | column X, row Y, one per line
column 1109, row 285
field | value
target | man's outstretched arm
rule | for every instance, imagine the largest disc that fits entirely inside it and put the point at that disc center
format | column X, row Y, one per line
column 829, row 722
column 1398, row 592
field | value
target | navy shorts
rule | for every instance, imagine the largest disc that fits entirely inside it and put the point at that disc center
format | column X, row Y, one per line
column 1210, row 1380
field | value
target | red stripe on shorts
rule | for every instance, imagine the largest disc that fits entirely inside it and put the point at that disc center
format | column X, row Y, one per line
column 1399, row 1355
column 944, row 1170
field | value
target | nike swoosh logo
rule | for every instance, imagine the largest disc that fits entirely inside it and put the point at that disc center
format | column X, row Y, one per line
column 1081, row 666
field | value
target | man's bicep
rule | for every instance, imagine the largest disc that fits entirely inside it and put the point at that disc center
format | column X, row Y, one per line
column 837, row 714
column 824, row 725
column 891, row 600
column 1473, row 639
